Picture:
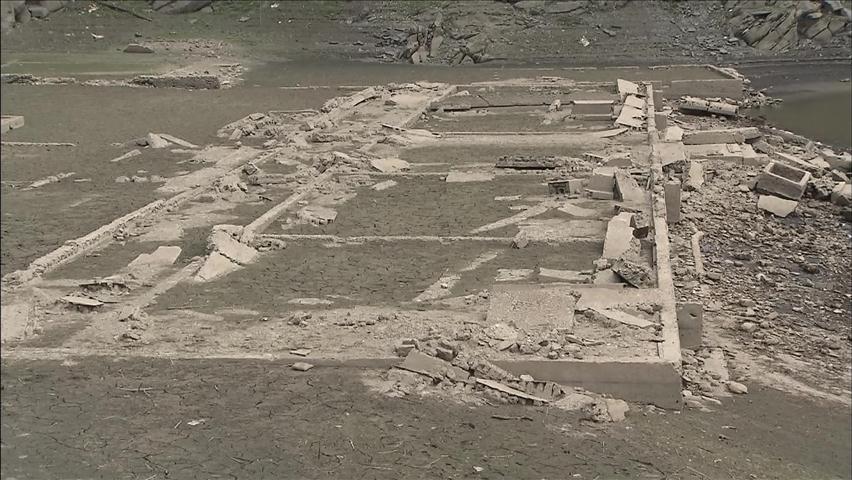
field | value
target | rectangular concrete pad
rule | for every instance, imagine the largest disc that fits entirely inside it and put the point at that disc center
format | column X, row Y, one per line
column 649, row 381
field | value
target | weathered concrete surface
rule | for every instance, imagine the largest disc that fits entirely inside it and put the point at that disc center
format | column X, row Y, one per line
column 533, row 306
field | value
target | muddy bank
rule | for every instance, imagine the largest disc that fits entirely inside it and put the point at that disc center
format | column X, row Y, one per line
column 160, row 417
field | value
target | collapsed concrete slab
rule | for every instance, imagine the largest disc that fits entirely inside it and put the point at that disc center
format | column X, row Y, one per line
column 10, row 122
column 627, row 189
column 780, row 207
column 620, row 241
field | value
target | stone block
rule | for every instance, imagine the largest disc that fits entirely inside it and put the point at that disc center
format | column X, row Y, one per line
column 602, row 179
column 695, row 175
column 783, row 181
column 690, row 324
column 10, row 122
column 593, row 157
column 575, row 186
column 780, row 207
column 842, row 194
column 620, row 241
column 672, row 194
column 670, row 153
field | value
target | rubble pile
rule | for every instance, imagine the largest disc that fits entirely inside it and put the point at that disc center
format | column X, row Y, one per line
column 773, row 240
column 783, row 25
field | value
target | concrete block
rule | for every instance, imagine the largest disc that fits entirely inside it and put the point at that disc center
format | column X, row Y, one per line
column 620, row 241
column 635, row 102
column 695, row 175
column 703, row 137
column 661, row 120
column 690, row 324
column 591, row 107
column 672, row 194
column 602, row 179
column 673, row 134
column 780, row 207
column 842, row 194
column 599, row 195
column 575, row 186
column 627, row 189
column 670, row 153
column 532, row 307
column 783, row 181
column 10, row 122
column 626, row 87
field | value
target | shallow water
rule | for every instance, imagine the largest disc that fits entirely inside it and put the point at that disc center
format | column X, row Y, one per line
column 824, row 114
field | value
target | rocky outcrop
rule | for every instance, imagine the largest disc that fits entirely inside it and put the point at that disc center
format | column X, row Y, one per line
column 784, row 24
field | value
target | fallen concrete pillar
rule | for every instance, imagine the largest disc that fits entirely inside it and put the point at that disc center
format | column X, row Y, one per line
column 661, row 120
column 672, row 194
column 780, row 207
column 690, row 324
column 694, row 104
column 702, row 137
column 783, row 181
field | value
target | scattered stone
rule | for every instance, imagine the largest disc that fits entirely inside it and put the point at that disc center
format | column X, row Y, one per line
column 736, row 387
column 301, row 366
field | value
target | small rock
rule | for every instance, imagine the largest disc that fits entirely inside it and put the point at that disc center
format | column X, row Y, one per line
column 738, row 388
column 748, row 327
column 302, row 366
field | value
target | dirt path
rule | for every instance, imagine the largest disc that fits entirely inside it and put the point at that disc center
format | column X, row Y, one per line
column 137, row 419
